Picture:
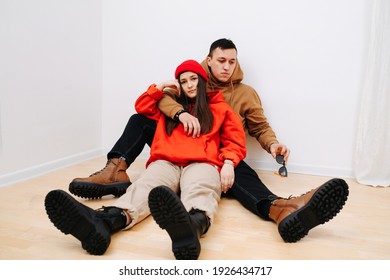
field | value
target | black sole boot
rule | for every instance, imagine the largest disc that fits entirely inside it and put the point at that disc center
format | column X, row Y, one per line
column 324, row 205
column 111, row 180
column 170, row 214
column 93, row 228
column 94, row 191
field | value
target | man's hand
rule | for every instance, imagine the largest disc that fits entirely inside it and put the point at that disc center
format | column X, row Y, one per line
column 280, row 149
column 190, row 123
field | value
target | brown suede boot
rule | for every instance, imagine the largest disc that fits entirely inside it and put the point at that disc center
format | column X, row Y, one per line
column 295, row 216
column 112, row 179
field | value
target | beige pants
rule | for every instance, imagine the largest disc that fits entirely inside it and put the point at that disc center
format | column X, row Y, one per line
column 199, row 185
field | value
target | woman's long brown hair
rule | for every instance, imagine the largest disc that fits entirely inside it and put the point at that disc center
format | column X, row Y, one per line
column 201, row 109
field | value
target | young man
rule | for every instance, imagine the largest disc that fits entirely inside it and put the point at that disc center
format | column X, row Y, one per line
column 194, row 167
column 294, row 216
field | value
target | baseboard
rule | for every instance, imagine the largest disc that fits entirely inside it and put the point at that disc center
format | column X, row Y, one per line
column 302, row 169
column 292, row 168
column 47, row 167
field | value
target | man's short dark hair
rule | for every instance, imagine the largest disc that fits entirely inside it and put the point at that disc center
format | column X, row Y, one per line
column 223, row 44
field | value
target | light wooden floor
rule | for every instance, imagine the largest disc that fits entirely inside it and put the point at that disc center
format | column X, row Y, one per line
column 361, row 231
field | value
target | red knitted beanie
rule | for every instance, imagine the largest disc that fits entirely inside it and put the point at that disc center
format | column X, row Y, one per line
column 193, row 66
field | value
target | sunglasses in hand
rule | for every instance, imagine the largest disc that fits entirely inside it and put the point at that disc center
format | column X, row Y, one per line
column 282, row 170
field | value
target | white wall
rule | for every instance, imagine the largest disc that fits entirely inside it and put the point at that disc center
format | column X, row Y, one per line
column 50, row 85
column 305, row 58
column 71, row 71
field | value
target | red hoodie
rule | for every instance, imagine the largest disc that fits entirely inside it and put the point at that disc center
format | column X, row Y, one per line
column 226, row 140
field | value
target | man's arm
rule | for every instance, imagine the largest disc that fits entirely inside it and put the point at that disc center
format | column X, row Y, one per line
column 249, row 107
column 169, row 107
column 259, row 128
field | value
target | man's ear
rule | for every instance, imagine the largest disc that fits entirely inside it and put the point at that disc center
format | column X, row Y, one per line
column 208, row 61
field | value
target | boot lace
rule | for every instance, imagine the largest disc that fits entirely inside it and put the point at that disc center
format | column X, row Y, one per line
column 273, row 197
column 100, row 171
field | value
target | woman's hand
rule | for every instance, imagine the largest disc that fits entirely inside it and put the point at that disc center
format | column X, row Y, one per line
column 227, row 176
column 170, row 84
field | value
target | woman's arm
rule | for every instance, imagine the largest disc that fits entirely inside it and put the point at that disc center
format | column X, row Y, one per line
column 146, row 104
column 233, row 148
column 233, row 142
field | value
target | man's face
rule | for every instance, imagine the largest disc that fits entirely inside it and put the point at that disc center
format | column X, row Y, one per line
column 222, row 63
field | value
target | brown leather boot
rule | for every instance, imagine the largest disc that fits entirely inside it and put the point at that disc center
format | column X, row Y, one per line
column 112, row 179
column 295, row 216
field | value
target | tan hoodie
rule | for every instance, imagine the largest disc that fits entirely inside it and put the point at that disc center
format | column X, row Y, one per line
column 242, row 98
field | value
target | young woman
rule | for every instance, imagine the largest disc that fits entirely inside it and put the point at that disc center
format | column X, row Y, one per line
column 199, row 168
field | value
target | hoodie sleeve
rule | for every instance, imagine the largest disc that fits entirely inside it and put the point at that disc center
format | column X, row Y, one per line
column 146, row 104
column 232, row 138
column 255, row 120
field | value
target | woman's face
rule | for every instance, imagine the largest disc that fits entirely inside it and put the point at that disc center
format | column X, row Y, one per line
column 189, row 83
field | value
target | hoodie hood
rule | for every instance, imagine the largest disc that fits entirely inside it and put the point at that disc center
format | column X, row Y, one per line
column 215, row 96
column 229, row 87
column 213, row 83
